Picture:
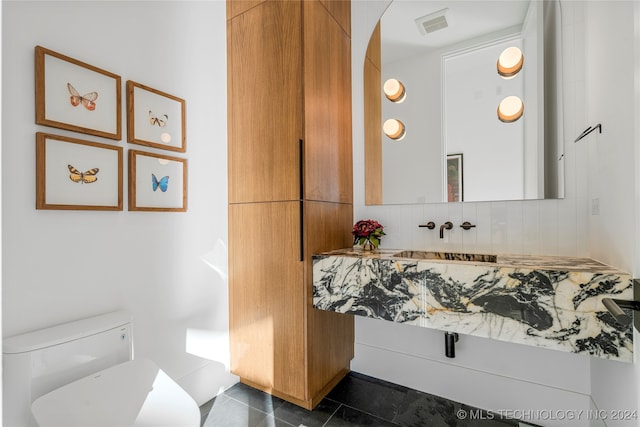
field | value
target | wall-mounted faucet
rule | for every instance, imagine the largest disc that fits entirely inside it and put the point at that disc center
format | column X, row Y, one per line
column 446, row 226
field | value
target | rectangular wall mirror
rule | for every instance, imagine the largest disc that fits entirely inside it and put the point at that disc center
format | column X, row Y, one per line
column 445, row 138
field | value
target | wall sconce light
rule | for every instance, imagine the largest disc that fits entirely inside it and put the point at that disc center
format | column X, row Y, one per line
column 510, row 62
column 394, row 129
column 510, row 109
column 394, row 90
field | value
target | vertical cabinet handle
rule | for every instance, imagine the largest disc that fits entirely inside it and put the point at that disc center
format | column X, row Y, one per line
column 301, row 230
column 301, row 168
column 301, row 182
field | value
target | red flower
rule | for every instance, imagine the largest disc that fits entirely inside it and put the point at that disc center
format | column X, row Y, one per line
column 368, row 229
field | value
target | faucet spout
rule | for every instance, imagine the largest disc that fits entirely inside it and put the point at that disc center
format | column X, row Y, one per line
column 446, row 226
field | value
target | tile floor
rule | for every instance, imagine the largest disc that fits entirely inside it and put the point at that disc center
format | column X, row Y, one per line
column 358, row 400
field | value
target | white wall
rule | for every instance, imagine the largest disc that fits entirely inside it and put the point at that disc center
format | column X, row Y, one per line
column 64, row 265
column 612, row 36
column 493, row 151
column 502, row 375
column 412, row 169
column 1, row 115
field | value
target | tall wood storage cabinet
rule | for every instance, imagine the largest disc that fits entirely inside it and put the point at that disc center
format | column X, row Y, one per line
column 290, row 190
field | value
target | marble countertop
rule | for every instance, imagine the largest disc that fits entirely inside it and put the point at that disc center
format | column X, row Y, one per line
column 544, row 301
column 538, row 262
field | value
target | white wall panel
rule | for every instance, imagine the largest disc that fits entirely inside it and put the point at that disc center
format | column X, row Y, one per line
column 64, row 265
column 563, row 227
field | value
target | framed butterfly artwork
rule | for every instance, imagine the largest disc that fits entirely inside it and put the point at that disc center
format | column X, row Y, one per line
column 76, row 96
column 155, row 119
column 157, row 182
column 76, row 174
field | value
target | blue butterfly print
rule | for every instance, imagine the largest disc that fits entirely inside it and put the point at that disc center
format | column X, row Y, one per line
column 162, row 183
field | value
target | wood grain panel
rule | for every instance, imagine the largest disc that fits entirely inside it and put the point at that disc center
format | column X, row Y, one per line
column 373, row 122
column 330, row 335
column 341, row 12
column 236, row 7
column 374, row 48
column 265, row 102
column 266, row 307
column 327, row 85
column 279, row 343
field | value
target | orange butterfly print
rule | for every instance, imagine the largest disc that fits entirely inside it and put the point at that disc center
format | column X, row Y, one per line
column 87, row 100
column 160, row 120
column 83, row 177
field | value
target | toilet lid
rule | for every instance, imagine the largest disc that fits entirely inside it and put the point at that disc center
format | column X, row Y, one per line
column 135, row 393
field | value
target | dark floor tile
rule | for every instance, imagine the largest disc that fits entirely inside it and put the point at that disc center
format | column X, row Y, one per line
column 421, row 409
column 227, row 412
column 296, row 415
column 370, row 395
column 271, row 421
column 358, row 400
column 378, row 381
column 479, row 417
column 346, row 416
column 254, row 398
column 205, row 409
column 426, row 410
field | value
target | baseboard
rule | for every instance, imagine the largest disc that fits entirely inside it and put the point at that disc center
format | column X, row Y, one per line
column 537, row 403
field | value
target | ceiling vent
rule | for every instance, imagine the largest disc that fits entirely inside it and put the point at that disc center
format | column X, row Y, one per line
column 433, row 22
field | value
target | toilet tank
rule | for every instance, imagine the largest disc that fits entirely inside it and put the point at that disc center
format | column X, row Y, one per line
column 38, row 362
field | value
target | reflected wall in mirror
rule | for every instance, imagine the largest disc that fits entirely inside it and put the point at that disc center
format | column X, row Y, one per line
column 445, row 53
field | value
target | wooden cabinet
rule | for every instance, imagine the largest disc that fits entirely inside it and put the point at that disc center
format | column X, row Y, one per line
column 264, row 97
column 266, row 313
column 327, row 106
column 330, row 338
column 290, row 190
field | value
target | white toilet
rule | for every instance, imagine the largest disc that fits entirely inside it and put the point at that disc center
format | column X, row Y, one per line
column 81, row 374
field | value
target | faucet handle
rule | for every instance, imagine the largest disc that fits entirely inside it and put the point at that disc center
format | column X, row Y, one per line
column 430, row 225
column 467, row 225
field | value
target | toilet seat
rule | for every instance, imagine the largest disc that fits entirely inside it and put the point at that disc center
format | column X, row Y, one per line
column 135, row 393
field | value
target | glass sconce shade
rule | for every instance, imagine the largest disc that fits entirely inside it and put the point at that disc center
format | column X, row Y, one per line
column 394, row 129
column 510, row 109
column 510, row 62
column 394, row 90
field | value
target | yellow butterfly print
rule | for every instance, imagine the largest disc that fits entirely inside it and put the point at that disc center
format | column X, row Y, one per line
column 160, row 120
column 83, row 177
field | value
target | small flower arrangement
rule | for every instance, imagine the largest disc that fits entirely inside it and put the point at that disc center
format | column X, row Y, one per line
column 367, row 233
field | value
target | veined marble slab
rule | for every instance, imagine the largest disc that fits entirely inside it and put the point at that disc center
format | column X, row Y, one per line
column 551, row 302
